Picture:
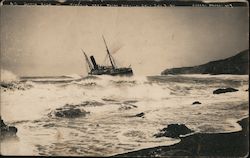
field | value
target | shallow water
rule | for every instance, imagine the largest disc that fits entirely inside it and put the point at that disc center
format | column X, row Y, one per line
column 112, row 101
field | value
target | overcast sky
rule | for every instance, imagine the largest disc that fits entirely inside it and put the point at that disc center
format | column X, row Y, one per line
column 40, row 40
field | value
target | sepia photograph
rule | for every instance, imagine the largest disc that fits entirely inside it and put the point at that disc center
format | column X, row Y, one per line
column 124, row 80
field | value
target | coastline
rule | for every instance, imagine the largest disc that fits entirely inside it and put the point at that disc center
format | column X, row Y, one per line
column 234, row 144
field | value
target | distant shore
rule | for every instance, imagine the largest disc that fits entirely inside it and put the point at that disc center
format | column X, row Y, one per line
column 235, row 65
column 234, row 144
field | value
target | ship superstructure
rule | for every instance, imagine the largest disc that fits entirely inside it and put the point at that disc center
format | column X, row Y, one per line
column 112, row 69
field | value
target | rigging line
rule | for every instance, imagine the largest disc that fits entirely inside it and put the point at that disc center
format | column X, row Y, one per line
column 110, row 57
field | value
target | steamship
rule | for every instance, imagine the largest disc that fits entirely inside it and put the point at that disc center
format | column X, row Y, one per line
column 112, row 69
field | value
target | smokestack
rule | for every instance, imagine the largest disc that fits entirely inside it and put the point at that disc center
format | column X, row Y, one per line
column 93, row 62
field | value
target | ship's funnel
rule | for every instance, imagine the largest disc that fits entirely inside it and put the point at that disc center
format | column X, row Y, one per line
column 93, row 62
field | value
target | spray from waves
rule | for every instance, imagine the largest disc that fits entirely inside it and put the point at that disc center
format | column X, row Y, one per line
column 8, row 76
column 117, row 87
column 11, row 82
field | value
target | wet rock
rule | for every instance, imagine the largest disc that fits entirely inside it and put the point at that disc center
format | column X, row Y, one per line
column 173, row 131
column 224, row 90
column 5, row 85
column 8, row 86
column 12, row 129
column 140, row 114
column 7, row 130
column 2, row 123
column 69, row 112
column 196, row 102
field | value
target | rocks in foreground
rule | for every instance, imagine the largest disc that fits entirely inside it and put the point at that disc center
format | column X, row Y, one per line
column 140, row 114
column 234, row 144
column 68, row 112
column 224, row 90
column 173, row 131
column 7, row 130
column 196, row 102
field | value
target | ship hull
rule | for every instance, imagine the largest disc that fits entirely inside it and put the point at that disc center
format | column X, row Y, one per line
column 113, row 72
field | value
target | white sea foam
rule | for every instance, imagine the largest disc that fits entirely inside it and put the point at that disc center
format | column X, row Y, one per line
column 108, row 130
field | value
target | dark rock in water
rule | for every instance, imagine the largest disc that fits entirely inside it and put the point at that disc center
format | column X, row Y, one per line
column 13, row 129
column 173, row 131
column 224, row 90
column 4, row 85
column 7, row 130
column 69, row 112
column 2, row 123
column 8, row 86
column 237, row 64
column 140, row 114
column 196, row 102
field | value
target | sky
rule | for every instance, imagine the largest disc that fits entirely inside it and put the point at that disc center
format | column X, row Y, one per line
column 47, row 40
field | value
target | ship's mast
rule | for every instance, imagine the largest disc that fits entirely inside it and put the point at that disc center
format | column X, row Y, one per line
column 110, row 57
column 87, row 60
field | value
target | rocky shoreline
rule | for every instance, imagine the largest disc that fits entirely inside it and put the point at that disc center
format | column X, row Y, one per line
column 232, row 144
column 7, row 131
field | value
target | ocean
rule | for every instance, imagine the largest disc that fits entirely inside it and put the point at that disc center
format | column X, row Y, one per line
column 111, row 126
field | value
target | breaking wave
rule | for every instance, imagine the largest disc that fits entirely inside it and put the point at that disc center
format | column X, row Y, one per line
column 100, row 115
column 8, row 76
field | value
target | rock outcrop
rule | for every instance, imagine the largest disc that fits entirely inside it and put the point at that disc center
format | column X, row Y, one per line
column 224, row 90
column 7, row 130
column 196, row 102
column 68, row 112
column 140, row 114
column 173, row 131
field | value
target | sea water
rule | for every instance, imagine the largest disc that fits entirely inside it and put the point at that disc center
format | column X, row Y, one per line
column 111, row 128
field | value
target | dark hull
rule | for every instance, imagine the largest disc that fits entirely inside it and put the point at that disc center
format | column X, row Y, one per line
column 113, row 72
